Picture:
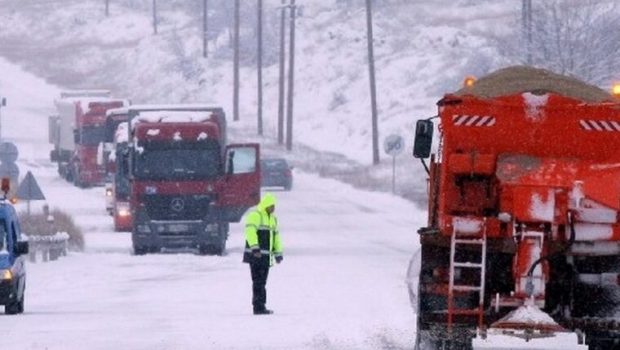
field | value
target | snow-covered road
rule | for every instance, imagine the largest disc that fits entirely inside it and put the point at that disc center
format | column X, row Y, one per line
column 341, row 285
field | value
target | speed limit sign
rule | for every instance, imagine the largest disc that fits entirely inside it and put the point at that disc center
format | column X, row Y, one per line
column 393, row 145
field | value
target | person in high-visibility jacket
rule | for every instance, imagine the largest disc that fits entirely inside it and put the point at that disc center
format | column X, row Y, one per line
column 263, row 246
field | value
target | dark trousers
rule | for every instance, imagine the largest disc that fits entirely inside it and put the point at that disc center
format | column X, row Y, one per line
column 259, row 280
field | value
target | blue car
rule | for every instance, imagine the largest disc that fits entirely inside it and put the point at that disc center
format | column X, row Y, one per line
column 275, row 172
column 12, row 261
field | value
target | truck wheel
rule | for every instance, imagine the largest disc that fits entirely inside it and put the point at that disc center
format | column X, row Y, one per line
column 205, row 249
column 139, row 250
column 220, row 249
column 68, row 175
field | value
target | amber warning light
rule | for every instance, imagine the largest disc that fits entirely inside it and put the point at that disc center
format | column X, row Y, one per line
column 616, row 89
column 6, row 185
column 469, row 81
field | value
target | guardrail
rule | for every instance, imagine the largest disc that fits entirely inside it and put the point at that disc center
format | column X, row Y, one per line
column 49, row 247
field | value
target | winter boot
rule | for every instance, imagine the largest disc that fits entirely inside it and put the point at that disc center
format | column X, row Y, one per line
column 263, row 312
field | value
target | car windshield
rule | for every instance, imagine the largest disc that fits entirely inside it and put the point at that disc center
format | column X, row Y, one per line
column 177, row 163
column 274, row 164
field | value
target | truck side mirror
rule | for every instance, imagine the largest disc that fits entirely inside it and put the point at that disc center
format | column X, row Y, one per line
column 76, row 136
column 423, row 139
column 21, row 248
column 3, row 102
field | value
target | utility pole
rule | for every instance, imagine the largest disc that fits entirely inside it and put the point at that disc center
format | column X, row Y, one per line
column 236, row 64
column 2, row 104
column 526, row 21
column 259, row 63
column 291, row 79
column 107, row 8
column 373, row 89
column 155, row 17
column 205, row 28
column 282, row 68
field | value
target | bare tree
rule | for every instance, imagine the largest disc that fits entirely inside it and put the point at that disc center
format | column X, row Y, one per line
column 578, row 38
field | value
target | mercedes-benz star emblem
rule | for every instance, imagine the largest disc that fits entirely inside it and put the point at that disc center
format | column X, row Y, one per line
column 177, row 204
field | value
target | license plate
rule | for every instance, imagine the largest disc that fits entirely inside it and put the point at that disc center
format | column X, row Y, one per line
column 178, row 228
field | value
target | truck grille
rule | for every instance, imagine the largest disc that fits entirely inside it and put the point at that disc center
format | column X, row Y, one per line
column 171, row 207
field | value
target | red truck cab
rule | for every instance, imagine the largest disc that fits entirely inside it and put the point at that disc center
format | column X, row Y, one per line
column 186, row 184
column 86, row 167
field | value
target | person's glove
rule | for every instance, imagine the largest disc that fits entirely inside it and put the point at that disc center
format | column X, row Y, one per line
column 256, row 252
column 279, row 259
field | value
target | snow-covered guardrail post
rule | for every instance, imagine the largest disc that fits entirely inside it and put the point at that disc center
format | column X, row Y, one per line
column 50, row 247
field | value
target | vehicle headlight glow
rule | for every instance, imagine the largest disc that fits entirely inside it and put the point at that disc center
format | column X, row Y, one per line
column 123, row 209
column 6, row 274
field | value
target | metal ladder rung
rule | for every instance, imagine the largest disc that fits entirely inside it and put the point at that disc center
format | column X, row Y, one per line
column 469, row 241
column 480, row 269
column 468, row 264
column 462, row 288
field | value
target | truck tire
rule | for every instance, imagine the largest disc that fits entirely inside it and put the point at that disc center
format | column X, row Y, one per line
column 203, row 249
column 212, row 249
column 220, row 249
column 139, row 250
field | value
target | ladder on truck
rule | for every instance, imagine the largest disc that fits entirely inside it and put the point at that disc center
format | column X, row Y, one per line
column 459, row 241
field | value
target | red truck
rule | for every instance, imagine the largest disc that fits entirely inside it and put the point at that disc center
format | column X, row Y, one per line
column 77, row 133
column 117, row 176
column 522, row 246
column 186, row 183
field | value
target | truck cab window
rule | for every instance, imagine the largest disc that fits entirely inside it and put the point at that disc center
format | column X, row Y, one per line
column 241, row 160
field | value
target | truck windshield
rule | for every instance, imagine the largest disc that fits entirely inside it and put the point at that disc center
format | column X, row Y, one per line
column 177, row 163
column 91, row 135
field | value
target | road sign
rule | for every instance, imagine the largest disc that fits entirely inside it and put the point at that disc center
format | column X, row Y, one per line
column 10, row 170
column 29, row 189
column 393, row 145
column 8, row 152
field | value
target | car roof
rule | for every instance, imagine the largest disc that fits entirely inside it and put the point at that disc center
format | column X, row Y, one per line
column 273, row 160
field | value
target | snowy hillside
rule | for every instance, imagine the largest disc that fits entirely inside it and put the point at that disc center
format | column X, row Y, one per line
column 72, row 43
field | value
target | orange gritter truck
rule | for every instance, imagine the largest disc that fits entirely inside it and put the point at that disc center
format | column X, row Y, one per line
column 522, row 246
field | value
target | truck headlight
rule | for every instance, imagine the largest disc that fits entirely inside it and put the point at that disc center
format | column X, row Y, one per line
column 123, row 209
column 6, row 274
